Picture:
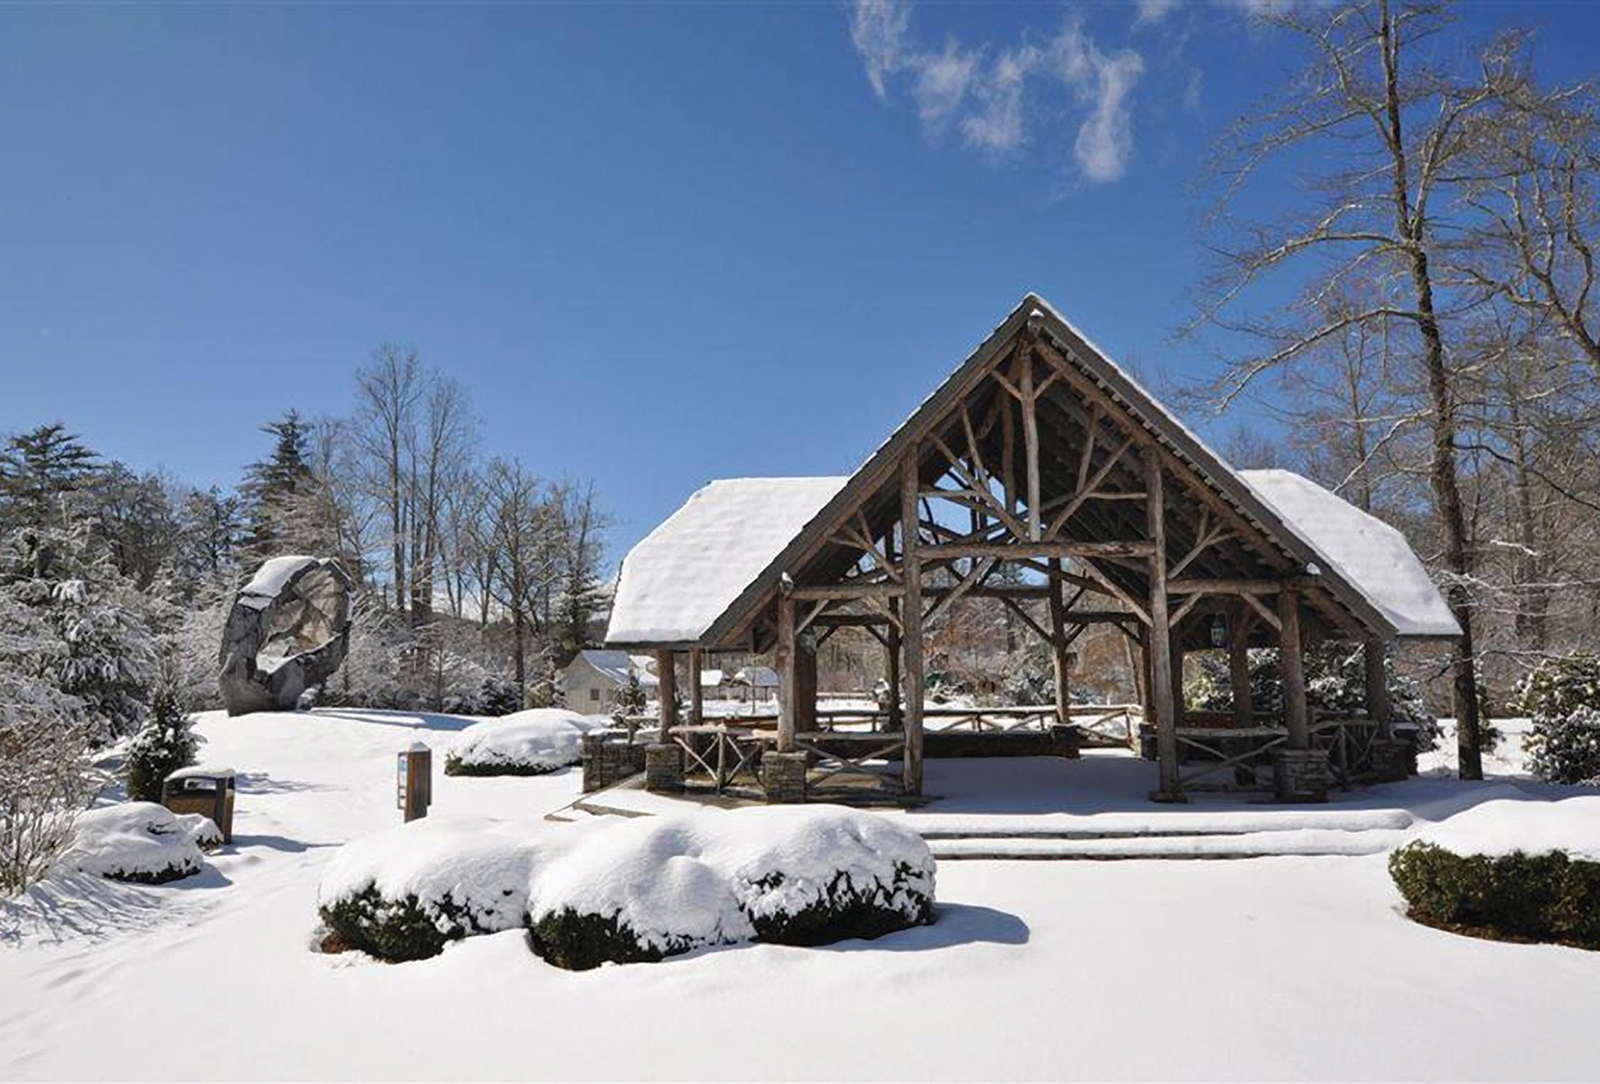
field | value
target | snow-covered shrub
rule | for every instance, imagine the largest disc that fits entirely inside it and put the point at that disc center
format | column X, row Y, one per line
column 1515, row 869
column 1562, row 698
column 633, row 892
column 202, row 829
column 134, row 841
column 1565, row 748
column 166, row 742
column 46, row 775
column 814, row 875
column 641, row 890
column 405, row 893
column 1336, row 683
column 530, row 742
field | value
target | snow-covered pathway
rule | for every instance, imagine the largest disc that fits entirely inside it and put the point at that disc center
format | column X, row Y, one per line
column 1268, row 968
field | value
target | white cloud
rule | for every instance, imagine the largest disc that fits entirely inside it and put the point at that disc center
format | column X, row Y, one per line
column 1152, row 11
column 878, row 29
column 943, row 81
column 1104, row 83
column 997, row 103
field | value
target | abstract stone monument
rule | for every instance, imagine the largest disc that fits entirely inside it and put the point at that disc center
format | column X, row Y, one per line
column 288, row 631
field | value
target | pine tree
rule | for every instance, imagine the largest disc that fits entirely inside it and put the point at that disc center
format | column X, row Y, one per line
column 37, row 469
column 271, row 485
column 569, row 633
column 166, row 742
column 100, row 650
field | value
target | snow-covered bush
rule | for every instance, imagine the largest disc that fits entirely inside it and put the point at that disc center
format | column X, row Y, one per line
column 166, row 742
column 1565, row 748
column 1562, row 698
column 530, row 742
column 202, row 829
column 405, row 893
column 641, row 890
column 1336, row 683
column 46, row 775
column 134, row 841
column 1514, row 869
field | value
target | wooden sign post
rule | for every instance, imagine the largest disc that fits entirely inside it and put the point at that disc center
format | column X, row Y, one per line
column 414, row 781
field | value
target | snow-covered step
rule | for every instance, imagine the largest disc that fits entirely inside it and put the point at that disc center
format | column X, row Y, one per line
column 1302, row 841
column 933, row 826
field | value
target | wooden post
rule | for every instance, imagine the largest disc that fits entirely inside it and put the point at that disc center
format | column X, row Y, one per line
column 1378, row 708
column 415, row 769
column 783, row 662
column 805, row 682
column 1292, row 663
column 1030, row 441
column 1177, row 652
column 1239, row 669
column 1159, row 640
column 1058, row 644
column 667, row 691
column 891, row 658
column 696, row 693
column 911, row 619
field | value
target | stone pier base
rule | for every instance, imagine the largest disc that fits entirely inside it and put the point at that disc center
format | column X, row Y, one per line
column 663, row 768
column 609, row 758
column 783, row 777
column 1300, row 775
column 1064, row 741
column 1392, row 759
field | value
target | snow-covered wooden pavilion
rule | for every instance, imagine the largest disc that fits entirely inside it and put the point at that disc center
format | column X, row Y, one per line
column 1040, row 453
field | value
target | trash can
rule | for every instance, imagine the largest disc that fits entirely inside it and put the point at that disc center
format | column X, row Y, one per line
column 204, row 790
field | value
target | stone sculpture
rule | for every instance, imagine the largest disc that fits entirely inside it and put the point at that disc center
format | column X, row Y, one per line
column 288, row 631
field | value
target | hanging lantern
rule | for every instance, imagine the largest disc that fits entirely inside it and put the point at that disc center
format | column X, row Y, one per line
column 1219, row 631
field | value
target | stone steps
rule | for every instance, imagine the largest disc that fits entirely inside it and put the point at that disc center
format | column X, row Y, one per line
column 1308, row 842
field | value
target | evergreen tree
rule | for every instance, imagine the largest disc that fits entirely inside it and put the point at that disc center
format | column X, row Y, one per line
column 166, row 742
column 271, row 485
column 211, row 532
column 569, row 633
column 37, row 469
column 100, row 647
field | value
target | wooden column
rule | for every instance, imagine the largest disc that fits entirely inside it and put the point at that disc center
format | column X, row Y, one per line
column 1292, row 664
column 783, row 662
column 1058, row 644
column 667, row 692
column 1177, row 652
column 1239, row 668
column 805, row 682
column 1158, row 640
column 1378, row 708
column 1030, row 441
column 891, row 659
column 911, row 620
column 696, row 693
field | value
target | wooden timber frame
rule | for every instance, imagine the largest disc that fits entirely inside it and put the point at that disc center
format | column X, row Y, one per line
column 1038, row 457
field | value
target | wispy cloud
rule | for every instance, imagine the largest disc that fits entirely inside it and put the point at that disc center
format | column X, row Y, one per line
column 997, row 97
column 1152, row 11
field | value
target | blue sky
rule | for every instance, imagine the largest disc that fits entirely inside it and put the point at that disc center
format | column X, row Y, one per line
column 659, row 243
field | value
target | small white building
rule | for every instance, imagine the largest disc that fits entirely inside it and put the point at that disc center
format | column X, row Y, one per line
column 591, row 681
column 757, row 683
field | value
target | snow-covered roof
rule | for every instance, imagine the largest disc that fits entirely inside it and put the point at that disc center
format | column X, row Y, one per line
column 761, row 677
column 1375, row 558
column 710, row 678
column 616, row 665
column 687, row 571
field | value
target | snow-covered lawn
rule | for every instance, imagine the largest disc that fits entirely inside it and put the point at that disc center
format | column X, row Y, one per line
column 1262, row 968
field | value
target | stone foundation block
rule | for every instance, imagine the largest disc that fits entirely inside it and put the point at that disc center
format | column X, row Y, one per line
column 609, row 757
column 1393, row 759
column 663, row 768
column 1300, row 775
column 783, row 777
column 1064, row 741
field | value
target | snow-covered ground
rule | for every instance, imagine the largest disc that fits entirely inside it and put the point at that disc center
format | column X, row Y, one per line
column 1289, row 968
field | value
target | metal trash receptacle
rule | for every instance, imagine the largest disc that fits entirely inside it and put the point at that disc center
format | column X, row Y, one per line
column 205, row 790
